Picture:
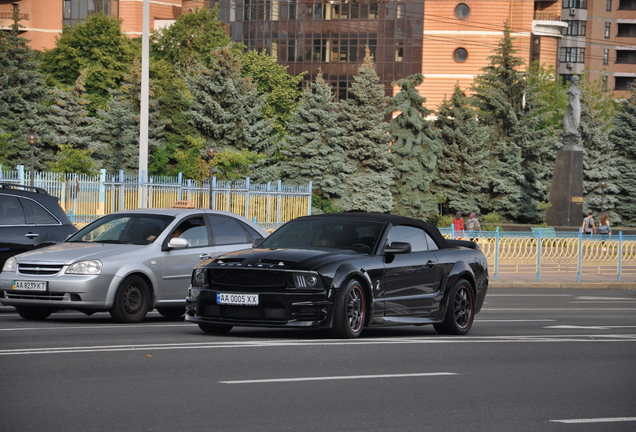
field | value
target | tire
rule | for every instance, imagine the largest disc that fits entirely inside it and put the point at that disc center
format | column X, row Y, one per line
column 460, row 310
column 131, row 301
column 171, row 313
column 215, row 328
column 34, row 313
column 350, row 311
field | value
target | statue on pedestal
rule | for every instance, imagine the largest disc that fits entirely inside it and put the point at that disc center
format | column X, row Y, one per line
column 572, row 117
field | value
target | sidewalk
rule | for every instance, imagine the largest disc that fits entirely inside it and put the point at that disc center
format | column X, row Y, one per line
column 561, row 280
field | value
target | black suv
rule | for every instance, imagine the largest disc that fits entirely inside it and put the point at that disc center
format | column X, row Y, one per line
column 30, row 218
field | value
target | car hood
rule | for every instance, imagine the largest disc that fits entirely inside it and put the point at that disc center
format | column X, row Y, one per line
column 298, row 259
column 71, row 252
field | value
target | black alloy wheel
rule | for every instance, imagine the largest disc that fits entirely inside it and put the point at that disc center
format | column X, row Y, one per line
column 131, row 301
column 460, row 311
column 350, row 311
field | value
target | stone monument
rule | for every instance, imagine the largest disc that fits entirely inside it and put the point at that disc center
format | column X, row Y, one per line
column 566, row 192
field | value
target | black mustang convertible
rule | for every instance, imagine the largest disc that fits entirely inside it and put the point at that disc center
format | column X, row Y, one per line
column 343, row 271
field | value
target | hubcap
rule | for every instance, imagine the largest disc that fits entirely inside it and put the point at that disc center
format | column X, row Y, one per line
column 463, row 307
column 355, row 309
column 132, row 299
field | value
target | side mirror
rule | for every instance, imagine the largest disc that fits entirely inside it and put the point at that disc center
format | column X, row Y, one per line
column 257, row 242
column 398, row 248
column 178, row 243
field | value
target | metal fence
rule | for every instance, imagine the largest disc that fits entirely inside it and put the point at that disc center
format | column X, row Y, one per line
column 562, row 257
column 86, row 198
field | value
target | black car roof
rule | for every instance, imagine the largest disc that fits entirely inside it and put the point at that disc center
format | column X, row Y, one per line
column 430, row 229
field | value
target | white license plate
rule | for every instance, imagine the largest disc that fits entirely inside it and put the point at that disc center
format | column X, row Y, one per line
column 237, row 299
column 29, row 286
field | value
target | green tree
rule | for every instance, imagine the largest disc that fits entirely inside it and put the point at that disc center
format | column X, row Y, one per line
column 465, row 161
column 369, row 168
column 521, row 149
column 22, row 95
column 280, row 89
column 97, row 45
column 72, row 160
column 599, row 157
column 311, row 149
column 226, row 109
column 69, row 121
column 415, row 148
column 623, row 136
column 191, row 39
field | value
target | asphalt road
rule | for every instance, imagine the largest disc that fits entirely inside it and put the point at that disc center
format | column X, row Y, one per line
column 535, row 360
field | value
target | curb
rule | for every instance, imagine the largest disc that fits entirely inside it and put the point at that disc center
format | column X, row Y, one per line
column 565, row 285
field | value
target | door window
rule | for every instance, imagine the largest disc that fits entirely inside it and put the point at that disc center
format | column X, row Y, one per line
column 228, row 231
column 40, row 214
column 420, row 241
column 194, row 230
column 11, row 212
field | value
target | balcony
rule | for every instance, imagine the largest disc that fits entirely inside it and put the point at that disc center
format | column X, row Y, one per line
column 6, row 20
column 545, row 24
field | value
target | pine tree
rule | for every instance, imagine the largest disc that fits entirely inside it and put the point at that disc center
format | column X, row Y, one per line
column 366, row 141
column 599, row 157
column 415, row 148
column 22, row 95
column 623, row 136
column 465, row 160
column 226, row 109
column 311, row 148
column 68, row 120
column 521, row 149
column 118, row 125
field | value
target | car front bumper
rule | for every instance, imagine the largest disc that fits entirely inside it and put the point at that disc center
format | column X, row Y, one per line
column 274, row 310
column 77, row 292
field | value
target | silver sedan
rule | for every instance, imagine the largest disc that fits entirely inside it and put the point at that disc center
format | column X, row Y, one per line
column 126, row 263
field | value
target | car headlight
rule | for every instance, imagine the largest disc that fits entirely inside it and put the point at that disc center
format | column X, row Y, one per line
column 198, row 276
column 307, row 281
column 10, row 265
column 89, row 267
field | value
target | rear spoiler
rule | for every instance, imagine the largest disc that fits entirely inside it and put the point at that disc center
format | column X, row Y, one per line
column 464, row 243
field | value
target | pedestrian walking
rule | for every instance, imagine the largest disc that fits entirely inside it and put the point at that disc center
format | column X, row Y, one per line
column 458, row 225
column 604, row 227
column 588, row 226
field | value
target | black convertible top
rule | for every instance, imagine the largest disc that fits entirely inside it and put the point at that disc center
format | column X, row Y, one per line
column 394, row 220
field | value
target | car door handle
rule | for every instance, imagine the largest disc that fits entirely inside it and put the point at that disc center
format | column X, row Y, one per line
column 431, row 263
column 32, row 235
column 205, row 256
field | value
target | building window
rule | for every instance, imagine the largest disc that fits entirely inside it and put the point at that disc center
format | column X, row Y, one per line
column 574, row 4
column 623, row 83
column 625, row 57
column 608, row 5
column 606, row 56
column 460, row 55
column 627, row 5
column 462, row 11
column 626, row 30
column 76, row 11
column 608, row 26
column 572, row 55
column 575, row 28
column 401, row 10
column 399, row 51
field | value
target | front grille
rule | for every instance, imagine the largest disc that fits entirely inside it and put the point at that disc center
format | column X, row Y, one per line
column 268, row 310
column 246, row 280
column 34, row 296
column 40, row 269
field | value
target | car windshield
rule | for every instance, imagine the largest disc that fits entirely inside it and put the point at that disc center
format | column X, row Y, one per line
column 138, row 229
column 326, row 233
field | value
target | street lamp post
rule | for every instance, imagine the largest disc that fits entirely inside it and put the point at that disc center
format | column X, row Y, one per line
column 603, row 185
column 32, row 139
column 211, row 152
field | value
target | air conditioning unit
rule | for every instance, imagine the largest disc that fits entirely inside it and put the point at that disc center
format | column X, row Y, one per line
column 569, row 65
column 573, row 11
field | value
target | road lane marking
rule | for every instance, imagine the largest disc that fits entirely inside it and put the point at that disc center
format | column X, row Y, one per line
column 528, row 295
column 513, row 320
column 334, row 378
column 97, row 327
column 605, row 298
column 557, row 309
column 587, row 327
column 597, row 420
column 323, row 343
